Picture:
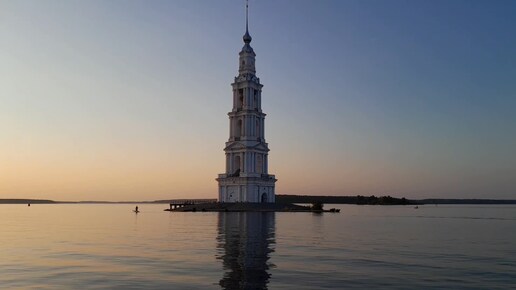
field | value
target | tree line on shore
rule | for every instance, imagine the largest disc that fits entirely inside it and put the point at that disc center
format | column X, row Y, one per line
column 358, row 199
column 383, row 200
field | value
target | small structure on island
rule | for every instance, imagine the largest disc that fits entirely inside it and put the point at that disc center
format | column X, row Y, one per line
column 247, row 177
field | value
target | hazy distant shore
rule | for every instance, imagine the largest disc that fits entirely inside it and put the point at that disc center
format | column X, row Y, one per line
column 384, row 200
column 48, row 201
column 284, row 198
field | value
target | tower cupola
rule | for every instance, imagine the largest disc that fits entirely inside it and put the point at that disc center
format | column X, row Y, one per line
column 247, row 55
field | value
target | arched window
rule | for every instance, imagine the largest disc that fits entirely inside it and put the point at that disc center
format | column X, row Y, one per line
column 236, row 165
column 259, row 163
column 240, row 98
column 257, row 133
column 264, row 197
column 238, row 132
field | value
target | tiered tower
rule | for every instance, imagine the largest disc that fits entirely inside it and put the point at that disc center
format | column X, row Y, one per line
column 246, row 178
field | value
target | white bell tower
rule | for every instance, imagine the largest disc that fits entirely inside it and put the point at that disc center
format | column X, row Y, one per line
column 247, row 178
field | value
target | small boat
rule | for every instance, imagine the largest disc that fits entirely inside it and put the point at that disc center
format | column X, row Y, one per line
column 416, row 207
column 136, row 211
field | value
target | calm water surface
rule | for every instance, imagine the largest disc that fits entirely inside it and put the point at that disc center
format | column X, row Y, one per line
column 110, row 247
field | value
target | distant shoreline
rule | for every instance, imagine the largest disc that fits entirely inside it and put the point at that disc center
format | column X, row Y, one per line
column 284, row 198
column 385, row 200
column 48, row 201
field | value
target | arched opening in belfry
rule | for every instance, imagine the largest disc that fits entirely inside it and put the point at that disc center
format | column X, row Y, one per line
column 236, row 165
column 240, row 98
column 257, row 128
column 264, row 197
column 255, row 100
column 238, row 132
column 259, row 163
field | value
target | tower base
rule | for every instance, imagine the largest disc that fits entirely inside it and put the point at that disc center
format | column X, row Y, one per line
column 259, row 189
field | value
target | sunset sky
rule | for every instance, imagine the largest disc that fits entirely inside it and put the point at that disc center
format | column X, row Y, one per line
column 128, row 100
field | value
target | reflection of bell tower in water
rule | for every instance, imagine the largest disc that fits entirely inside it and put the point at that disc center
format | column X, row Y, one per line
column 245, row 242
column 246, row 178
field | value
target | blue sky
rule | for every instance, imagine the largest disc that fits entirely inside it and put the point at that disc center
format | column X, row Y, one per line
column 128, row 99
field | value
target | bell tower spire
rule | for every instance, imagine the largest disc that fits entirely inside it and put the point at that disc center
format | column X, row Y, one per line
column 247, row 55
column 247, row 177
column 247, row 37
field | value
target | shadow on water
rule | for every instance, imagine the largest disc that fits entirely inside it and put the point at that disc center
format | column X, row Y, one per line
column 244, row 242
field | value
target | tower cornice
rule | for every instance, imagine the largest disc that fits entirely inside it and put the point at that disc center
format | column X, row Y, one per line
column 247, row 77
column 247, row 113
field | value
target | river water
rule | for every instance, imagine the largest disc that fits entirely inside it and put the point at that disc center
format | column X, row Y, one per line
column 80, row 246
